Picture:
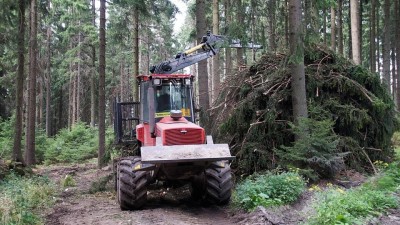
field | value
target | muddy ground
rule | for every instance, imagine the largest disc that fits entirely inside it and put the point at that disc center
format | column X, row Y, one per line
column 79, row 205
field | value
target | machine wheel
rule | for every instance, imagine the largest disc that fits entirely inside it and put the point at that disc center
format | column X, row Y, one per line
column 131, row 186
column 218, row 183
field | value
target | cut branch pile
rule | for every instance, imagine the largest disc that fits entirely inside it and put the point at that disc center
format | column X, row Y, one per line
column 254, row 108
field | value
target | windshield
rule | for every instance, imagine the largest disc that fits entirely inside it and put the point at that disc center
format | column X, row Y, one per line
column 172, row 95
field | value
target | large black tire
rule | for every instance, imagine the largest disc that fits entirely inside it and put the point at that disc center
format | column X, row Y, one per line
column 131, row 186
column 218, row 183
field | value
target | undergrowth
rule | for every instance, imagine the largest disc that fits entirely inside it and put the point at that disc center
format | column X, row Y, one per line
column 69, row 145
column 23, row 199
column 357, row 205
column 268, row 190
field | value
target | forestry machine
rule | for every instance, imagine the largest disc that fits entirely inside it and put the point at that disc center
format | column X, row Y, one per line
column 172, row 148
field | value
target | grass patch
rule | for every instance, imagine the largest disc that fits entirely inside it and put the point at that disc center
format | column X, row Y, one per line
column 268, row 190
column 357, row 205
column 22, row 199
column 100, row 185
column 68, row 181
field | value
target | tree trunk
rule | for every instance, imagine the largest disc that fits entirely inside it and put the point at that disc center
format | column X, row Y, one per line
column 272, row 25
column 78, row 77
column 201, row 29
column 372, row 36
column 386, row 44
column 355, row 31
column 299, row 101
column 340, row 27
column 48, row 80
column 228, row 53
column 215, row 60
column 135, row 54
column 239, row 51
column 324, row 26
column 102, row 73
column 17, row 154
column 397, row 13
column 333, row 28
column 93, row 74
column 31, row 112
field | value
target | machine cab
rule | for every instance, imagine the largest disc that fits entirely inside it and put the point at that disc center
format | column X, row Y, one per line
column 171, row 92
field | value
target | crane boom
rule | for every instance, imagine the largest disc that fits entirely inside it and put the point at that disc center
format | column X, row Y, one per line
column 209, row 46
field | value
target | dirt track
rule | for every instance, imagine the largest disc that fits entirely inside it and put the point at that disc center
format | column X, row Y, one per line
column 76, row 206
column 165, row 206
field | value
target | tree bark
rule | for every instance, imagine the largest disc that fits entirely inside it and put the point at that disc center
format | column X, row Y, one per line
column 397, row 12
column 135, row 54
column 340, row 27
column 93, row 74
column 272, row 25
column 215, row 63
column 299, row 101
column 355, row 31
column 324, row 26
column 48, row 80
column 333, row 28
column 228, row 52
column 372, row 37
column 17, row 154
column 239, row 17
column 102, row 71
column 30, row 129
column 201, row 29
column 386, row 44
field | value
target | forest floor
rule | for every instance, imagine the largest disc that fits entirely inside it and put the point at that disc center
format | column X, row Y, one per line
column 77, row 205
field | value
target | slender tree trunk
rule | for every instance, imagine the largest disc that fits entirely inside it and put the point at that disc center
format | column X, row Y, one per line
column 355, row 31
column 287, row 23
column 340, row 27
column 135, row 53
column 17, row 154
column 202, row 65
column 239, row 17
column 397, row 24
column 299, row 101
column 324, row 26
column 333, row 28
column 30, row 129
column 215, row 60
column 78, row 77
column 102, row 73
column 93, row 74
column 48, row 80
column 228, row 53
column 372, row 37
column 272, row 25
column 386, row 44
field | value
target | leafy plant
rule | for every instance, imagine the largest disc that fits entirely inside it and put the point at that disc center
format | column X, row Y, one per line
column 355, row 206
column 22, row 199
column 315, row 151
column 68, row 181
column 268, row 190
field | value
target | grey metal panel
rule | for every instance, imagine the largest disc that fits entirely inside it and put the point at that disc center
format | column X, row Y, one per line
column 185, row 153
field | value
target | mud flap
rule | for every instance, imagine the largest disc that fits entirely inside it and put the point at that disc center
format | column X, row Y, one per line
column 185, row 153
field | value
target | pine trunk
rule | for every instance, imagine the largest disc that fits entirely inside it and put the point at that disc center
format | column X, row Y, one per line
column 386, row 44
column 215, row 60
column 333, row 28
column 202, row 65
column 355, row 31
column 17, row 154
column 228, row 52
column 102, row 71
column 31, row 110
column 372, row 36
column 397, row 13
column 272, row 25
column 340, row 27
column 299, row 101
column 48, row 81
column 93, row 73
column 135, row 54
